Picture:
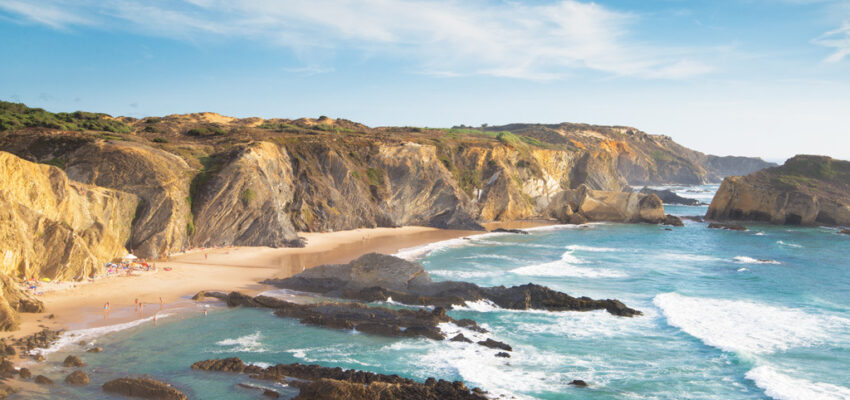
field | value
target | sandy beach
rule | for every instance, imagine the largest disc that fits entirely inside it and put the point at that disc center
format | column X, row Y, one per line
column 233, row 268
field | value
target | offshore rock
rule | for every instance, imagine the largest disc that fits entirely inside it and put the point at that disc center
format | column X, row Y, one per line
column 376, row 277
column 673, row 220
column 78, row 378
column 315, row 382
column 806, row 190
column 145, row 388
column 73, row 361
column 667, row 196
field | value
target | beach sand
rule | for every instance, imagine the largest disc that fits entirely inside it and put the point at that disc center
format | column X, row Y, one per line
column 237, row 268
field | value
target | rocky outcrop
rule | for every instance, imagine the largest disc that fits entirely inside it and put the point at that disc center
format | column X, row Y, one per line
column 53, row 227
column 73, row 361
column 162, row 222
column 347, row 316
column 599, row 205
column 316, row 382
column 806, row 190
column 144, row 388
column 247, row 201
column 667, row 196
column 376, row 277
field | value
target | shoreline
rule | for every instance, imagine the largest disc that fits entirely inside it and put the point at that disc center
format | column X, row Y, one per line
column 234, row 268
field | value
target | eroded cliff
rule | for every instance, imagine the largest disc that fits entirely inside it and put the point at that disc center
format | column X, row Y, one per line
column 806, row 190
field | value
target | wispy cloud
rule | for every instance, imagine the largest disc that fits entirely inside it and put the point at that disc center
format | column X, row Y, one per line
column 839, row 39
column 447, row 38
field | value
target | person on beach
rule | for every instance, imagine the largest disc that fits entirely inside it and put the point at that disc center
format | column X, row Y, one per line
column 160, row 302
column 205, row 256
column 136, row 305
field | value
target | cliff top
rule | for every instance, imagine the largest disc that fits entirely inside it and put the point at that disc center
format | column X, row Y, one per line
column 816, row 175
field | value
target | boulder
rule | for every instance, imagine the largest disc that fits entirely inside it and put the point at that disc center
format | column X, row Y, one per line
column 145, row 388
column 73, row 361
column 494, row 344
column 94, row 350
column 43, row 380
column 673, row 220
column 578, row 383
column 78, row 378
column 25, row 373
column 502, row 354
column 600, row 205
column 460, row 338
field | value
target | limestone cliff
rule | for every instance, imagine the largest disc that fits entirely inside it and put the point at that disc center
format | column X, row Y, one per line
column 51, row 226
column 806, row 190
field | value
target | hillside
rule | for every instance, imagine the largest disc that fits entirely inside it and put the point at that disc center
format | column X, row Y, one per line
column 806, row 190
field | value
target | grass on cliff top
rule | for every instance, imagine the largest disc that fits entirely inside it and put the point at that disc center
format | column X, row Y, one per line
column 17, row 115
column 506, row 137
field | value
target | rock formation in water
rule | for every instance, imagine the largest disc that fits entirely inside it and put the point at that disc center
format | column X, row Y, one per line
column 585, row 205
column 377, row 277
column 347, row 316
column 667, row 196
column 316, row 382
column 143, row 387
column 806, row 190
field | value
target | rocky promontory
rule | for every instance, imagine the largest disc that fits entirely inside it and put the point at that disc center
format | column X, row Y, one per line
column 377, row 277
column 577, row 206
column 806, row 190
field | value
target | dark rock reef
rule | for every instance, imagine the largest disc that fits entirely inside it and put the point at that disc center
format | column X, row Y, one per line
column 316, row 382
column 667, row 196
column 373, row 320
column 377, row 277
column 143, row 387
column 806, row 190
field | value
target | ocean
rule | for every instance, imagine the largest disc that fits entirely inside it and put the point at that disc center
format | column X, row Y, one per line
column 726, row 315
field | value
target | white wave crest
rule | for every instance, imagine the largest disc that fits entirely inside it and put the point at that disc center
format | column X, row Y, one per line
column 478, row 305
column 243, row 344
column 463, row 274
column 783, row 387
column 76, row 336
column 750, row 260
column 746, row 326
column 689, row 257
column 794, row 245
column 578, row 247
column 566, row 266
column 413, row 253
column 489, row 256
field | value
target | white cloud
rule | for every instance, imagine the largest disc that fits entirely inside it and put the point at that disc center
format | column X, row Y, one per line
column 838, row 39
column 447, row 38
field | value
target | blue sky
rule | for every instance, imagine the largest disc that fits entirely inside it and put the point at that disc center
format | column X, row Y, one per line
column 758, row 77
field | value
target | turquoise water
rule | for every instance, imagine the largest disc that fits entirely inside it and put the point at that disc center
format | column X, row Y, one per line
column 727, row 315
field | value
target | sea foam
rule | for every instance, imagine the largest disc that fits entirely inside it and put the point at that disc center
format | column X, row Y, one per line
column 566, row 266
column 747, row 327
column 783, row 387
column 750, row 260
column 76, row 336
column 243, row 344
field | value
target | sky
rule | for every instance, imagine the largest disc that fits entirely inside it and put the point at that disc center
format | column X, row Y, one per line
column 768, row 78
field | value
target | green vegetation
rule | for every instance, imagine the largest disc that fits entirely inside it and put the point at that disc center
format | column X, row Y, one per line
column 207, row 131
column 506, row 137
column 812, row 167
column 17, row 116
column 57, row 162
column 661, row 156
column 355, row 174
column 190, row 228
column 374, row 176
column 160, row 140
column 247, row 196
column 468, row 180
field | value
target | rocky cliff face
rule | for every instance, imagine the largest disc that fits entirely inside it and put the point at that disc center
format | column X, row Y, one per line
column 51, row 226
column 806, row 190
column 583, row 204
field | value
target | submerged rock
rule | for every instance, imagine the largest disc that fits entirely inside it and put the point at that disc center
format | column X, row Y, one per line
column 578, row 383
column 460, row 338
column 376, row 277
column 25, row 373
column 517, row 231
column 316, row 382
column 78, row 378
column 145, row 388
column 502, row 354
column 728, row 227
column 495, row 344
column 94, row 350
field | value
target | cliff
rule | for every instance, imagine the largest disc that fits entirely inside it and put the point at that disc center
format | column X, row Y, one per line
column 54, row 227
column 806, row 190
column 157, row 185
